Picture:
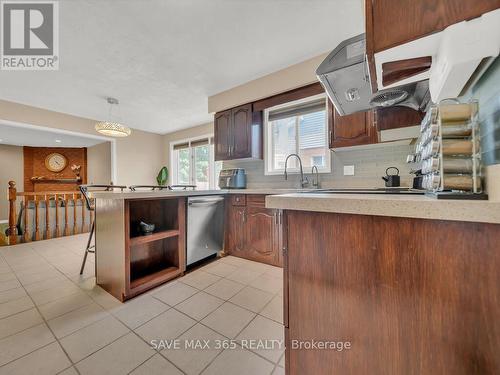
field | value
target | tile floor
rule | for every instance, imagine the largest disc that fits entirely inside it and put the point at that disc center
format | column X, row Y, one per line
column 54, row 321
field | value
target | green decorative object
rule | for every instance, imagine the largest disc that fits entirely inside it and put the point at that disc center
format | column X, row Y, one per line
column 162, row 177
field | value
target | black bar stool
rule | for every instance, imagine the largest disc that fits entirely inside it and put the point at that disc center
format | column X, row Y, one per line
column 90, row 203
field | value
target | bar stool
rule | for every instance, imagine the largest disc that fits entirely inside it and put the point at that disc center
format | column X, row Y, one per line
column 90, row 203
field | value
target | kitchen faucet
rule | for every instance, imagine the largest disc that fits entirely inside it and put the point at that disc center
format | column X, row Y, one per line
column 315, row 183
column 303, row 180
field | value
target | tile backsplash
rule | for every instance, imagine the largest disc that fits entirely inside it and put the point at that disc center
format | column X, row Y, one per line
column 370, row 163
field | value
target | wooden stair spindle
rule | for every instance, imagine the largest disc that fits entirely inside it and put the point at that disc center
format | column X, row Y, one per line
column 27, row 236
column 66, row 216
column 47, row 217
column 37, row 220
column 58, row 227
column 75, row 201
column 12, row 213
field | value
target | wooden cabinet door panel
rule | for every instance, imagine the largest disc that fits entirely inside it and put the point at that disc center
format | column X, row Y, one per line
column 241, row 131
column 222, row 135
column 235, row 230
column 409, row 20
column 351, row 130
column 390, row 285
column 260, row 234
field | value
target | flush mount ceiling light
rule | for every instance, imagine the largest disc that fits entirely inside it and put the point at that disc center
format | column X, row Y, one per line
column 112, row 128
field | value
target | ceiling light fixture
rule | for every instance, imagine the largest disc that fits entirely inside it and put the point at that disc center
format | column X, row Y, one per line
column 58, row 141
column 112, row 128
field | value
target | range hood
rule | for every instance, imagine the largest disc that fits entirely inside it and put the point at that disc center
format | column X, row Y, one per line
column 345, row 76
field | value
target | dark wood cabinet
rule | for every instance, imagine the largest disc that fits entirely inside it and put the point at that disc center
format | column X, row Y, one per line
column 392, row 23
column 222, row 134
column 260, row 229
column 242, row 132
column 397, row 117
column 351, row 130
column 238, row 133
column 236, row 230
column 412, row 296
column 253, row 231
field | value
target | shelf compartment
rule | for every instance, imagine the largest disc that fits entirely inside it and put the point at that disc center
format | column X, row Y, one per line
column 154, row 262
column 155, row 236
column 147, row 281
column 163, row 213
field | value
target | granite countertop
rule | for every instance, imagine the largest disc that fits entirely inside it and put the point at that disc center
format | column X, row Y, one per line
column 412, row 206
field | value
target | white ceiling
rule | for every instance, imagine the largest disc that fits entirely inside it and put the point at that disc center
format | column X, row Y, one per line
column 25, row 136
column 163, row 58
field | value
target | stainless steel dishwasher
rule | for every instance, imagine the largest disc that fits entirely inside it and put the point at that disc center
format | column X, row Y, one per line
column 205, row 227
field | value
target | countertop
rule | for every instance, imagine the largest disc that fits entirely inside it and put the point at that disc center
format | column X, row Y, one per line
column 412, row 206
column 127, row 194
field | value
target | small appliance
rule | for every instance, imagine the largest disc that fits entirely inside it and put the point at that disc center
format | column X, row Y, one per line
column 391, row 180
column 232, row 179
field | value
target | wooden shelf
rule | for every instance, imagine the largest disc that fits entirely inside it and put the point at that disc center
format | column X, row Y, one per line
column 56, row 180
column 153, row 237
column 154, row 278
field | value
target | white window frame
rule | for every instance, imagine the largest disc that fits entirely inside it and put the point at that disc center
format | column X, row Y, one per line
column 212, row 183
column 268, row 170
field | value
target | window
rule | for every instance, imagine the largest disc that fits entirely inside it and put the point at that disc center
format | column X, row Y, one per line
column 298, row 127
column 192, row 163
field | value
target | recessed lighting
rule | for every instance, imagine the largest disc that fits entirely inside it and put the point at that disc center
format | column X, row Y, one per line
column 58, row 141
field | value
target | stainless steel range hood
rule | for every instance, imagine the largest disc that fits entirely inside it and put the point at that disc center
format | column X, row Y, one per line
column 345, row 76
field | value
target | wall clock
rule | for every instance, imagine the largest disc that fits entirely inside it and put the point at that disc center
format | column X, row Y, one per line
column 55, row 162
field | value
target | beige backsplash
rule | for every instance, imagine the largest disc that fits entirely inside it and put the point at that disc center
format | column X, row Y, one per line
column 369, row 166
column 493, row 182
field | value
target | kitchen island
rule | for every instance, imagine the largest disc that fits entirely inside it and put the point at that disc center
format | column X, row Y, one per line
column 411, row 283
column 129, row 263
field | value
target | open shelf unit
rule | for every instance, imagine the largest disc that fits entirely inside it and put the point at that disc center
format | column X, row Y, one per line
column 155, row 236
column 158, row 257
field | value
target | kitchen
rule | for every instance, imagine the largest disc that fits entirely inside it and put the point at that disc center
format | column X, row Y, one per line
column 339, row 215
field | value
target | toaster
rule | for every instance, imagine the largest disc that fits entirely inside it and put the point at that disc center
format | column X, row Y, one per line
column 232, row 179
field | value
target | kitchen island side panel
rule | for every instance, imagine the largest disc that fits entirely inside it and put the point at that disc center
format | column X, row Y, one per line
column 110, row 246
column 412, row 296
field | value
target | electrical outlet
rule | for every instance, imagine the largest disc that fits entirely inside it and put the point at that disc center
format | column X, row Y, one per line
column 348, row 170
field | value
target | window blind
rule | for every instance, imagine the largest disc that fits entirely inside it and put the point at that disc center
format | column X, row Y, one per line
column 181, row 146
column 298, row 110
column 199, row 142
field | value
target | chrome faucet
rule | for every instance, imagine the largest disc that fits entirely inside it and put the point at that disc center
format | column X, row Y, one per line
column 303, row 180
column 315, row 182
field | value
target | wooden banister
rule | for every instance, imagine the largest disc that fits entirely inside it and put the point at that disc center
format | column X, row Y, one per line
column 12, row 213
column 40, row 199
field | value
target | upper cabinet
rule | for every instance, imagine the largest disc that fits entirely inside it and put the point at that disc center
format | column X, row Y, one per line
column 222, row 135
column 392, row 23
column 238, row 133
column 351, row 130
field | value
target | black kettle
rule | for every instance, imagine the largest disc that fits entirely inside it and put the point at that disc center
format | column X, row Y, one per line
column 391, row 180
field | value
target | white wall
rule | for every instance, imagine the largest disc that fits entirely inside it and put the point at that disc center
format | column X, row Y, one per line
column 290, row 78
column 139, row 157
column 11, row 168
column 99, row 164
